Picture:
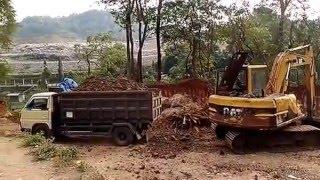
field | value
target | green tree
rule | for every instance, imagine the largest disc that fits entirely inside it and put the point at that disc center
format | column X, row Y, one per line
column 113, row 61
column 4, row 69
column 8, row 23
column 100, row 50
column 193, row 22
column 158, row 38
column 123, row 14
column 7, row 28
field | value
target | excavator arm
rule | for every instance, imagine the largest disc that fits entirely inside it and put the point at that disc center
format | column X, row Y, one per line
column 279, row 77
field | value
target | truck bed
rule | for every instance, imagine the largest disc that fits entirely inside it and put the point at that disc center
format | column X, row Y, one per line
column 99, row 112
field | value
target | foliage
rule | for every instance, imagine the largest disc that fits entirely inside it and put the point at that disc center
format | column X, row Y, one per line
column 175, row 61
column 4, row 69
column 8, row 23
column 82, row 166
column 78, row 76
column 109, row 57
column 45, row 151
column 149, row 74
column 33, row 140
column 123, row 13
column 113, row 61
column 198, row 36
column 193, row 23
column 65, row 156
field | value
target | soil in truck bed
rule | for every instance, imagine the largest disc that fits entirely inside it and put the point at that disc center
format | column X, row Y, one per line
column 96, row 83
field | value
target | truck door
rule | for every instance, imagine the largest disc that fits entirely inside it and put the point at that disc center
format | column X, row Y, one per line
column 36, row 112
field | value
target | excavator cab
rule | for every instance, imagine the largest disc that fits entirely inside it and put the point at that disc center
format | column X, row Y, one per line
column 251, row 81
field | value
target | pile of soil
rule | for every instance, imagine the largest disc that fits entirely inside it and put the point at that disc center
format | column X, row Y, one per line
column 3, row 109
column 14, row 117
column 183, row 126
column 95, row 83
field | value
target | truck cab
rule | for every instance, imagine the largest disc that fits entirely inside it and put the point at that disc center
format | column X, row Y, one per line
column 36, row 116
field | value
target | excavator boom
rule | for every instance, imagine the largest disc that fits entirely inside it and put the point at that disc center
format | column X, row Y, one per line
column 279, row 76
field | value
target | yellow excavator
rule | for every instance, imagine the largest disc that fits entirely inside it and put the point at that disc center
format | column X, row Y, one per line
column 262, row 113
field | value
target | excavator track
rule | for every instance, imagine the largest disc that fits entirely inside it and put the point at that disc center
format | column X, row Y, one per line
column 289, row 139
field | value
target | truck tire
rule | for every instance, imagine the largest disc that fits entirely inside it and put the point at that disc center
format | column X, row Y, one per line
column 122, row 136
column 41, row 128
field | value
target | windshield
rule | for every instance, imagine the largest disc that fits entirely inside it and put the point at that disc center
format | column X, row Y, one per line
column 258, row 81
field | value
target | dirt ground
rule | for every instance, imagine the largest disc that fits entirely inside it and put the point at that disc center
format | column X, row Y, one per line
column 134, row 162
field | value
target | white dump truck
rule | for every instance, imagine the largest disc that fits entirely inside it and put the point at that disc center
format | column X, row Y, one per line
column 124, row 115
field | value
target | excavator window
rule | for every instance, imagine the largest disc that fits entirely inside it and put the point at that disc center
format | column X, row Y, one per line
column 296, row 77
column 258, row 81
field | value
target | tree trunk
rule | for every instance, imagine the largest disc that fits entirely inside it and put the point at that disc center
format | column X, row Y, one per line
column 129, row 39
column 281, row 31
column 139, row 58
column 193, row 56
column 131, row 42
column 291, row 40
column 129, row 59
column 158, row 31
column 284, row 4
column 139, row 64
column 142, row 37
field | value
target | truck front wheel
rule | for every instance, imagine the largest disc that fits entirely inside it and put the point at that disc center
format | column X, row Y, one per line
column 41, row 128
column 122, row 136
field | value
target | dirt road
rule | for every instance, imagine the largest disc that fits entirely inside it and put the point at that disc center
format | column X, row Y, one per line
column 16, row 164
column 134, row 162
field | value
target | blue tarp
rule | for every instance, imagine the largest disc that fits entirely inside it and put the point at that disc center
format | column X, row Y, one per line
column 68, row 85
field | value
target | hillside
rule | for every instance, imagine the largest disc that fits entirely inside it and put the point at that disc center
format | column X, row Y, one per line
column 73, row 27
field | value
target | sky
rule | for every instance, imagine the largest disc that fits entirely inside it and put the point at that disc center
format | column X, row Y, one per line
column 56, row 8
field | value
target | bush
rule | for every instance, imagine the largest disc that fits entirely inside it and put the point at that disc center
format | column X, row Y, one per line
column 43, row 149
column 65, row 156
column 45, row 152
column 82, row 166
column 33, row 140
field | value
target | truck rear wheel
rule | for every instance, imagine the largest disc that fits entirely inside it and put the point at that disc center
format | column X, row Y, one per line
column 122, row 136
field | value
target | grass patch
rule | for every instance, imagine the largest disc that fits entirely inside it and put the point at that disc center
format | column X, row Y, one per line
column 43, row 149
column 82, row 166
column 66, row 156
column 33, row 140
